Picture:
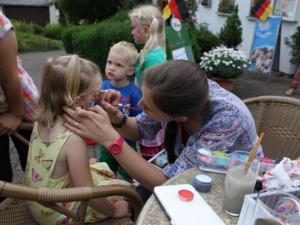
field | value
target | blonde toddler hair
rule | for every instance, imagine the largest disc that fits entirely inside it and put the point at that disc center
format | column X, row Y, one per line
column 150, row 16
column 128, row 50
column 63, row 79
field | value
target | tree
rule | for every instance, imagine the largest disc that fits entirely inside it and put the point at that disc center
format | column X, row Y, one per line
column 90, row 10
column 294, row 43
column 231, row 32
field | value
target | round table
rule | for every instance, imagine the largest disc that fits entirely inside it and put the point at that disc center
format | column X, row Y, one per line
column 152, row 213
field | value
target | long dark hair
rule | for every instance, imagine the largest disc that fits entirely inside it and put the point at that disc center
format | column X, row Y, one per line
column 179, row 88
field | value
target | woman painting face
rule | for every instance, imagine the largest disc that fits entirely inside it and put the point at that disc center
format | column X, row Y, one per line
column 148, row 106
column 140, row 33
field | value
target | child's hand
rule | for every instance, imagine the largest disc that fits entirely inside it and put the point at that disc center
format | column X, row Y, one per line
column 122, row 209
column 92, row 161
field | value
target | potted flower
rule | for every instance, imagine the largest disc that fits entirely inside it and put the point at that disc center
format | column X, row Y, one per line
column 224, row 64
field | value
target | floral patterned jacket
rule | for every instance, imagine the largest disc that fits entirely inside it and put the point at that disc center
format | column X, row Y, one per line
column 227, row 126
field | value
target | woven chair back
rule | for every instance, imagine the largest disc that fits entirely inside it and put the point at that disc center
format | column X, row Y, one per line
column 279, row 118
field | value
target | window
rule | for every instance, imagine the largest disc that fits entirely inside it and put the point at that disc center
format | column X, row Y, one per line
column 226, row 6
column 286, row 8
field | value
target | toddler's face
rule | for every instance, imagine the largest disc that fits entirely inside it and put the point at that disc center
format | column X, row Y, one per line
column 117, row 67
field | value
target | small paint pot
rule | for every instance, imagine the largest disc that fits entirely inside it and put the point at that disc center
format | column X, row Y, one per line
column 202, row 183
column 185, row 195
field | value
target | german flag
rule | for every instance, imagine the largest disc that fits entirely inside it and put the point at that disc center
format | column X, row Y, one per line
column 261, row 9
column 176, row 8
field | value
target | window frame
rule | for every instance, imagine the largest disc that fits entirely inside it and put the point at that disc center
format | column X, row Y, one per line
column 286, row 18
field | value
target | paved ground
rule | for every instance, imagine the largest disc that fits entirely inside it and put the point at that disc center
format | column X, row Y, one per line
column 248, row 85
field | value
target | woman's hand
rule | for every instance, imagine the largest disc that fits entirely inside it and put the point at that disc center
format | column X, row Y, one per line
column 92, row 124
column 110, row 96
column 109, row 101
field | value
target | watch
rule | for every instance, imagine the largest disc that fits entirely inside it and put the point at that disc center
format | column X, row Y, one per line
column 116, row 147
column 120, row 124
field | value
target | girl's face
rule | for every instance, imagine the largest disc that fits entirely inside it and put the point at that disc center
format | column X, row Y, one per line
column 140, row 33
column 148, row 106
column 86, row 100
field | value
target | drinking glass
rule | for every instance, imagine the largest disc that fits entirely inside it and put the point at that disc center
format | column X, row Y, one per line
column 276, row 207
column 238, row 183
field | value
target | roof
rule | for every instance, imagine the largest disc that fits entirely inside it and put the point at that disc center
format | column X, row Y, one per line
column 27, row 2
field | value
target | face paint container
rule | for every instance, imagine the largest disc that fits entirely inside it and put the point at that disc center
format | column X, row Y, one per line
column 202, row 183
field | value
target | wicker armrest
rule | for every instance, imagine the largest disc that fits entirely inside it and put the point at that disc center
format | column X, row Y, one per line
column 50, row 196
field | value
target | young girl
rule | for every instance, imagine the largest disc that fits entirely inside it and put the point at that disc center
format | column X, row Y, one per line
column 58, row 158
column 148, row 29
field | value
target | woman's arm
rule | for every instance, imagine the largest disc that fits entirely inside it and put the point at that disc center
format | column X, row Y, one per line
column 136, row 166
column 78, row 165
column 96, row 125
column 11, row 83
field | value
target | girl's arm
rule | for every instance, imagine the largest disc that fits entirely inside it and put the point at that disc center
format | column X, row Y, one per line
column 78, row 164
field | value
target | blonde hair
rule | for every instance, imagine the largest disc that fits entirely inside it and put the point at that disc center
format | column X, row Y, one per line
column 63, row 79
column 150, row 16
column 127, row 50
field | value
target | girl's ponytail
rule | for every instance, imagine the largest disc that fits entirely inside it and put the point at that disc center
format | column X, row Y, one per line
column 73, row 79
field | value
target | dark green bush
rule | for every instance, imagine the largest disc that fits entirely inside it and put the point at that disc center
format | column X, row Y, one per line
column 231, row 32
column 31, row 42
column 68, row 37
column 28, row 27
column 294, row 43
column 91, row 10
column 54, row 31
column 94, row 43
column 202, row 40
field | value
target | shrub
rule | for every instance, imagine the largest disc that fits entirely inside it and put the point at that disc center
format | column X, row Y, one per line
column 28, row 27
column 294, row 43
column 202, row 40
column 231, row 32
column 68, row 37
column 54, row 31
column 93, row 41
column 91, row 10
column 224, row 62
column 32, row 42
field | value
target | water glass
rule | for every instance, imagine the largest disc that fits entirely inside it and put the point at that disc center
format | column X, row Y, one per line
column 238, row 183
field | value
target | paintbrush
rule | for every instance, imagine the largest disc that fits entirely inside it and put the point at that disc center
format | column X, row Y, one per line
column 253, row 153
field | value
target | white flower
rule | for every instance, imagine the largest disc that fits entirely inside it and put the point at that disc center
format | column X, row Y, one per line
column 222, row 57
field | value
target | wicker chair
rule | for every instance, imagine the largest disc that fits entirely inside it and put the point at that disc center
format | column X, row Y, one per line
column 279, row 118
column 15, row 211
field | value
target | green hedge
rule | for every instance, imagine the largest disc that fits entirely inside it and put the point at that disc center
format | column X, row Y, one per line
column 54, row 31
column 31, row 42
column 93, row 41
column 27, row 27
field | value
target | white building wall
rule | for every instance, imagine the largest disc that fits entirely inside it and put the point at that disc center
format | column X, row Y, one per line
column 209, row 16
column 54, row 14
